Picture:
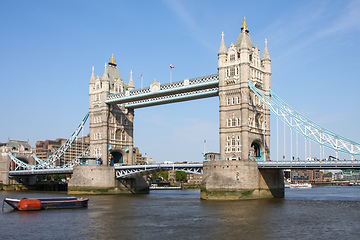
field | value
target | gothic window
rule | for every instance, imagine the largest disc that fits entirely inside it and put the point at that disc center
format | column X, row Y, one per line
column 250, row 58
column 233, row 142
column 234, row 122
column 233, row 101
column 232, row 57
column 228, row 138
column 228, row 101
column 238, row 122
column 228, row 122
column 118, row 135
column 258, row 120
column 123, row 136
column 232, row 71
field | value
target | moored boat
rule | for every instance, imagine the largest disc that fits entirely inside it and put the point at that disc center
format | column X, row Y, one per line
column 301, row 185
column 27, row 204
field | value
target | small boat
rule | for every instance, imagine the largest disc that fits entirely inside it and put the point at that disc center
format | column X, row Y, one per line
column 301, row 185
column 28, row 204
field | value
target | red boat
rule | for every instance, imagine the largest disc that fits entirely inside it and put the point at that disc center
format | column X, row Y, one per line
column 27, row 204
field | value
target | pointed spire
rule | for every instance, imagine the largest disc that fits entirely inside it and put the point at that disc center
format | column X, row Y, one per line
column 244, row 34
column 266, row 55
column 243, row 43
column 222, row 49
column 131, row 82
column 105, row 76
column 92, row 79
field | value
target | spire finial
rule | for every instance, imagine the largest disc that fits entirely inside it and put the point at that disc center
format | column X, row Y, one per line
column 265, row 42
column 222, row 49
column 244, row 26
column 93, row 69
column 112, row 61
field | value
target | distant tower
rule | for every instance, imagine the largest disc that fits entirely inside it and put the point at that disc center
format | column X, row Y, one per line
column 111, row 127
column 244, row 120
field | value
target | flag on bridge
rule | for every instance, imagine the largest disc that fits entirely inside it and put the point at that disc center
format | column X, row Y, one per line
column 171, row 66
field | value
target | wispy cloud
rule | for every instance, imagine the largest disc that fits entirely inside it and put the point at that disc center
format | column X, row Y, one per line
column 309, row 24
column 184, row 14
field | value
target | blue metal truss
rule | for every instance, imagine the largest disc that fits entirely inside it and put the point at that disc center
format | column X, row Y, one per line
column 50, row 161
column 306, row 127
column 139, row 170
column 188, row 89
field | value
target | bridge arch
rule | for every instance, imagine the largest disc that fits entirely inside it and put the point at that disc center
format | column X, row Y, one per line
column 116, row 157
column 257, row 152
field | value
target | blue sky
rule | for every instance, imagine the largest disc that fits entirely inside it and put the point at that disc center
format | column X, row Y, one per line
column 49, row 47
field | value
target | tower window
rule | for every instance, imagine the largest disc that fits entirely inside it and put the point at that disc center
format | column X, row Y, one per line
column 232, row 57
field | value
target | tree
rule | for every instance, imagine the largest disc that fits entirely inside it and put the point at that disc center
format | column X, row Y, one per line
column 180, row 175
column 162, row 175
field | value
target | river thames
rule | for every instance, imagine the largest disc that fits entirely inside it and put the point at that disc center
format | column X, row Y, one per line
column 316, row 213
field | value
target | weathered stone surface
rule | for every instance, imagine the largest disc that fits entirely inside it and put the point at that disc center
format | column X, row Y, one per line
column 235, row 180
column 101, row 180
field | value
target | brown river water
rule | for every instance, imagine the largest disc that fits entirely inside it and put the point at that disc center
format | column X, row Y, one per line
column 316, row 213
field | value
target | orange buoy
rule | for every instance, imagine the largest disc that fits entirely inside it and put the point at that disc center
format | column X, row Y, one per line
column 29, row 205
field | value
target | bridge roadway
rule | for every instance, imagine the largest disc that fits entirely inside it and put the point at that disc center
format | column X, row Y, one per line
column 133, row 170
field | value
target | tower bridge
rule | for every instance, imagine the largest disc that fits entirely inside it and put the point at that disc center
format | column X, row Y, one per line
column 243, row 85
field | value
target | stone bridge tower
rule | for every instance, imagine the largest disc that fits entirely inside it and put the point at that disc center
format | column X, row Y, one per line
column 111, row 126
column 244, row 126
column 244, row 120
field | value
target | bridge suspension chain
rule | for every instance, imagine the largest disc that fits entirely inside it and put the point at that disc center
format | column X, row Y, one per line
column 305, row 126
column 50, row 161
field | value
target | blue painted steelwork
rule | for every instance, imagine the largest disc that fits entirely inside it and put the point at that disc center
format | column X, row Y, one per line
column 138, row 170
column 50, row 161
column 134, row 170
column 185, row 90
column 68, row 170
column 335, row 165
column 306, row 127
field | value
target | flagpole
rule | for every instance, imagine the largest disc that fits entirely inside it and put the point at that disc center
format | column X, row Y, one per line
column 170, row 75
column 141, row 77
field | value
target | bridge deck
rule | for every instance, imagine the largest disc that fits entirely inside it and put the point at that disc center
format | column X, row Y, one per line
column 132, row 170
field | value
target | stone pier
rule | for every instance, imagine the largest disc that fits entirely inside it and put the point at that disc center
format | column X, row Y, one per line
column 101, row 180
column 236, row 180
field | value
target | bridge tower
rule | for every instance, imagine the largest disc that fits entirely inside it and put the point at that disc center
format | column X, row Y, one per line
column 244, row 125
column 111, row 127
column 244, row 120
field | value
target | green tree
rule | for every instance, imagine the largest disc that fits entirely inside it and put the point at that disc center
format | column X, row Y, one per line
column 180, row 175
column 162, row 175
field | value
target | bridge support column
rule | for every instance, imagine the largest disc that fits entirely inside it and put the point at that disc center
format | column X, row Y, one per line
column 237, row 180
column 101, row 180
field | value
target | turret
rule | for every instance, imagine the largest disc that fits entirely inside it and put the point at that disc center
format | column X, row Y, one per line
column 131, row 85
column 105, row 80
column 92, row 81
column 266, row 61
column 222, row 51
